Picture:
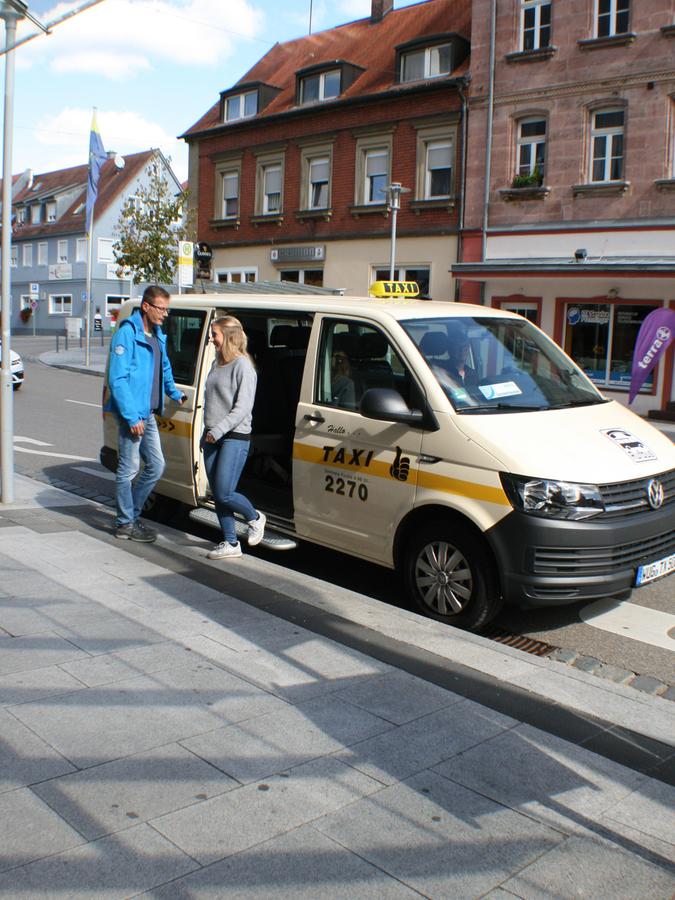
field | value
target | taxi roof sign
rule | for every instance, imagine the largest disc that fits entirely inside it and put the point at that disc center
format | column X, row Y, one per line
column 394, row 289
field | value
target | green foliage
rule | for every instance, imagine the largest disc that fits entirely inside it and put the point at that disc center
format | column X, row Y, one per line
column 148, row 230
column 534, row 179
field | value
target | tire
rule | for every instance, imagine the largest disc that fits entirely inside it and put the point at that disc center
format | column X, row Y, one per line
column 450, row 576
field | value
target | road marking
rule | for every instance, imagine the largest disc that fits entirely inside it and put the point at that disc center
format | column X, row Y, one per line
column 58, row 455
column 650, row 626
column 84, row 403
column 27, row 440
column 99, row 473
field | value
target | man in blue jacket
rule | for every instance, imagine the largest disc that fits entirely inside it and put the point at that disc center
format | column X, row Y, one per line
column 139, row 374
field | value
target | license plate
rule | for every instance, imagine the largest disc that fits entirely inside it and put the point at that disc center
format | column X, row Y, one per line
column 655, row 570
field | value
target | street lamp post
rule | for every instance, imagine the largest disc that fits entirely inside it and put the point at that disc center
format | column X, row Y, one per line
column 10, row 12
column 394, row 191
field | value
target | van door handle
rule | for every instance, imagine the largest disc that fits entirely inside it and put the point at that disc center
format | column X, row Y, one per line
column 315, row 418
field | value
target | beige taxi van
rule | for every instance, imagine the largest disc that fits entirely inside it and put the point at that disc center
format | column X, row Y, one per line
column 457, row 444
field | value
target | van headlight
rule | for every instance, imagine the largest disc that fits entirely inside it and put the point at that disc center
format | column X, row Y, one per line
column 553, row 499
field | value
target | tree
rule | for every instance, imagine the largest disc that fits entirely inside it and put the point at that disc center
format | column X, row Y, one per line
column 149, row 227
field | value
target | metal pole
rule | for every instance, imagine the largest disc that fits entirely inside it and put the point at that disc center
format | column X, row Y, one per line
column 88, row 289
column 10, row 15
column 488, row 137
column 392, row 258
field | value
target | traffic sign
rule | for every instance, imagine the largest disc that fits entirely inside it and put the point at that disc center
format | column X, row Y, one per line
column 34, row 288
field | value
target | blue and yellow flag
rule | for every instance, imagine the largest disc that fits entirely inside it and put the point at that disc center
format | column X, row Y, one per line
column 97, row 156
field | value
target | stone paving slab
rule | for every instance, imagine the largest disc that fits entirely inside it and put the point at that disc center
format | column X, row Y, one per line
column 24, row 757
column 31, row 830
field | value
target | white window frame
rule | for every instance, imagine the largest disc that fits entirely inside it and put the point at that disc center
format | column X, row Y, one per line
column 35, row 213
column 321, row 76
column 437, row 145
column 429, row 53
column 25, row 301
column 613, row 14
column 230, row 174
column 531, row 142
column 536, row 6
column 60, row 304
column 266, row 163
column 365, row 146
column 27, row 255
column 368, row 179
column 50, row 211
column 608, row 134
column 21, row 215
column 241, row 112
column 113, row 302
column 81, row 250
column 230, row 272
column 312, row 162
column 43, row 253
column 62, row 252
column 274, row 169
column 301, row 273
column 104, row 250
column 14, row 256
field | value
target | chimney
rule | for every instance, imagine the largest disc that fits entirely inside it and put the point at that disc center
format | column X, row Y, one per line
column 379, row 9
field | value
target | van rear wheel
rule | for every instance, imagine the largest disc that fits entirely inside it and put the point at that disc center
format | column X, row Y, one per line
column 450, row 576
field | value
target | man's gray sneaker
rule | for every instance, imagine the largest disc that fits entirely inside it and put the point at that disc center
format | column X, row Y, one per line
column 135, row 532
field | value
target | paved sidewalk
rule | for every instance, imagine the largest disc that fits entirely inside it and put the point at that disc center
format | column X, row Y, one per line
column 176, row 727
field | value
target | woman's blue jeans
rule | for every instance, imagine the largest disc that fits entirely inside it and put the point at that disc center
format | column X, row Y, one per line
column 131, row 494
column 224, row 462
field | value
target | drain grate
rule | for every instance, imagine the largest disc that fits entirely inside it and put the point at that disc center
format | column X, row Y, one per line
column 521, row 642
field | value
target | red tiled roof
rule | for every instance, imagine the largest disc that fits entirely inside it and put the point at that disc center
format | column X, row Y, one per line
column 112, row 181
column 370, row 45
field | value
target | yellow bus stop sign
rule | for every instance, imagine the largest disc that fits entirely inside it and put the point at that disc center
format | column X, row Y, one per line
column 394, row 289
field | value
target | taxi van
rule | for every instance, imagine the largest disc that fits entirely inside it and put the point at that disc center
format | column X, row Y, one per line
column 456, row 444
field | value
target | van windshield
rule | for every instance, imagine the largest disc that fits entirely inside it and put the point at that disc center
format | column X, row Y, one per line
column 488, row 364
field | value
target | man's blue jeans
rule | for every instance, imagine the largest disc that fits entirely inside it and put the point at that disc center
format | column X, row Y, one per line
column 224, row 462
column 131, row 495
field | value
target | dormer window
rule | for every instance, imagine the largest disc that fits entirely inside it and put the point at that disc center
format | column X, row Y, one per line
column 241, row 106
column 320, row 86
column 51, row 212
column 35, row 213
column 21, row 216
column 427, row 62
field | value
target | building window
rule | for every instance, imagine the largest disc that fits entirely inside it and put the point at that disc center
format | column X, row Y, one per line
column 420, row 274
column 241, row 106
column 302, row 276
column 319, row 180
column 113, row 303
column 35, row 213
column 376, row 175
column 60, row 304
column 438, row 177
column 319, row 87
column 230, row 208
column 531, row 148
column 62, row 252
column 51, row 212
column 21, row 216
column 25, row 301
column 600, row 338
column 81, row 250
column 429, row 62
column 607, row 145
column 535, row 24
column 612, row 17
column 269, row 199
column 105, row 250
column 14, row 259
column 236, row 276
column 42, row 257
column 27, row 257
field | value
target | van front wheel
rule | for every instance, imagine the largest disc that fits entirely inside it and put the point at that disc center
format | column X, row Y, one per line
column 451, row 577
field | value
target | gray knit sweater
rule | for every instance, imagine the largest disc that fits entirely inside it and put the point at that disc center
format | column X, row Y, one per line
column 229, row 396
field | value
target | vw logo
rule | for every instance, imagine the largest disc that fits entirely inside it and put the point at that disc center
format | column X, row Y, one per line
column 663, row 333
column 655, row 493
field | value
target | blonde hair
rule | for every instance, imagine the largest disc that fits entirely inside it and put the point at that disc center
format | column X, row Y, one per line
column 235, row 342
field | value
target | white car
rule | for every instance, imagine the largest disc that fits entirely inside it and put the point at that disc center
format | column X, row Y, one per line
column 16, row 365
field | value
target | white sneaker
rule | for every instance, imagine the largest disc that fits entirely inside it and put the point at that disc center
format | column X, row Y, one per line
column 256, row 530
column 225, row 551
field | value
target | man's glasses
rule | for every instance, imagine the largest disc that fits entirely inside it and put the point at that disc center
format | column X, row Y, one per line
column 162, row 309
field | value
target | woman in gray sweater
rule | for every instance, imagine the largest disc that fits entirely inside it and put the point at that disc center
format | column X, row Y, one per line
column 228, row 403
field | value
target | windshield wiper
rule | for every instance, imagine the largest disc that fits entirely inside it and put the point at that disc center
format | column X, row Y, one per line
column 593, row 401
column 501, row 407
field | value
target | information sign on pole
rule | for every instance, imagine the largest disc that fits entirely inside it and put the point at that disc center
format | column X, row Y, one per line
column 185, row 264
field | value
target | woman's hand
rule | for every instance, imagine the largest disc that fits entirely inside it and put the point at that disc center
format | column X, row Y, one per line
column 209, row 439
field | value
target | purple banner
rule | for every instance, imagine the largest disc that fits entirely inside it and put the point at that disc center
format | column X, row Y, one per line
column 654, row 337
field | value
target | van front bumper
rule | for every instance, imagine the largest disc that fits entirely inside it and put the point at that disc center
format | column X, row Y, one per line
column 549, row 562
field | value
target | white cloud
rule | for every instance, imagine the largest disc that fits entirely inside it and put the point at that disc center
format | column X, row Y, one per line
column 119, row 38
column 62, row 140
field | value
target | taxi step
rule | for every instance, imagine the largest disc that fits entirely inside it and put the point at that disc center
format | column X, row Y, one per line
column 272, row 540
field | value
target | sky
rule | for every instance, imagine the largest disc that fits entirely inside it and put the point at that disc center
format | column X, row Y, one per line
column 151, row 68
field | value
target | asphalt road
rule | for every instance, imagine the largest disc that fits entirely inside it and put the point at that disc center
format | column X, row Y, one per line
column 58, row 430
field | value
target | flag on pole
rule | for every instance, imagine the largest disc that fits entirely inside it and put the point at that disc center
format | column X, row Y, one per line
column 97, row 156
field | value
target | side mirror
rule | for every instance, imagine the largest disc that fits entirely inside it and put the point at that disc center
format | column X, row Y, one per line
column 387, row 405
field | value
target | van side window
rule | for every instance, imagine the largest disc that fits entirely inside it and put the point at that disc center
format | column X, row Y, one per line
column 184, row 331
column 354, row 357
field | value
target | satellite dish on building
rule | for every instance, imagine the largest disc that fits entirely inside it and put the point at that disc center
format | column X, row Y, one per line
column 119, row 161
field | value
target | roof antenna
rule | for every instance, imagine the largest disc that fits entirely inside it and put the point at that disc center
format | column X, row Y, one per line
column 310, row 17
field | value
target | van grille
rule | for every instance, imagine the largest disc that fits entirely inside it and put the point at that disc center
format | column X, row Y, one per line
column 601, row 560
column 628, row 497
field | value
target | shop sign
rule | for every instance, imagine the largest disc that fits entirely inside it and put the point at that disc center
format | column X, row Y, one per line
column 61, row 272
column 298, row 254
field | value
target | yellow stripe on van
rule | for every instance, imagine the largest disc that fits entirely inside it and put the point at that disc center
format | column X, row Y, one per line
column 429, row 480
column 176, row 427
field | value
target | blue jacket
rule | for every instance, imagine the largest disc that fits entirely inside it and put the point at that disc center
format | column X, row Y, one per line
column 131, row 370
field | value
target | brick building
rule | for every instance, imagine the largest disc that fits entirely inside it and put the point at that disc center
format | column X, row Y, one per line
column 289, row 168
column 578, row 231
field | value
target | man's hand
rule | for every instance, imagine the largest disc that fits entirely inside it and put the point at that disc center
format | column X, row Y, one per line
column 183, row 398
column 138, row 428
